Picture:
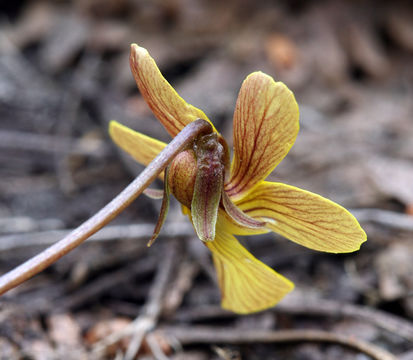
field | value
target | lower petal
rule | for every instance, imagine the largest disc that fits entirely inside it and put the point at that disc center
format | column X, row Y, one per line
column 247, row 285
column 305, row 218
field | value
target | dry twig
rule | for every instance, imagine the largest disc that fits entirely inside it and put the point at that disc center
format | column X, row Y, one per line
column 210, row 335
column 318, row 307
column 14, row 140
column 106, row 282
column 146, row 321
column 387, row 218
column 379, row 318
column 108, row 233
column 184, row 280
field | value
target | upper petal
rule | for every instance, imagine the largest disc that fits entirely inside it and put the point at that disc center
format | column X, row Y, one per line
column 170, row 109
column 141, row 147
column 247, row 285
column 265, row 128
column 305, row 218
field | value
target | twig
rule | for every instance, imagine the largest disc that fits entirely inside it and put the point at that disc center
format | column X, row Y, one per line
column 103, row 283
column 16, row 185
column 147, row 319
column 201, row 255
column 408, row 355
column 108, row 213
column 155, row 348
column 379, row 318
column 387, row 218
column 50, row 144
column 318, row 307
column 186, row 273
column 142, row 231
column 208, row 335
column 24, row 224
column 128, row 231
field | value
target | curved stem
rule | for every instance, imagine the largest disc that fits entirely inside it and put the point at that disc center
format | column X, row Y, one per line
column 47, row 257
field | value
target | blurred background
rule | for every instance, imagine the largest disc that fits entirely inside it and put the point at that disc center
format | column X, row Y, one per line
column 64, row 74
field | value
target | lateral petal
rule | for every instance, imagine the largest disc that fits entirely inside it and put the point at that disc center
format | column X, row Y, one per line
column 141, row 147
column 170, row 109
column 304, row 217
column 247, row 285
column 265, row 127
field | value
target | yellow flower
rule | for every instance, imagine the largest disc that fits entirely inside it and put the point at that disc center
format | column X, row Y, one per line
column 265, row 127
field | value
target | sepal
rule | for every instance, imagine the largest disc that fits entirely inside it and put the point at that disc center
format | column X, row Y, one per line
column 164, row 209
column 237, row 215
column 208, row 187
column 155, row 194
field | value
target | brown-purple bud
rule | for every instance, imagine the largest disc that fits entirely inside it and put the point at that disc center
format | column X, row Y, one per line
column 182, row 175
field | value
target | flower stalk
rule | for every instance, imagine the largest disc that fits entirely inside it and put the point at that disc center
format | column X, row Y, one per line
column 33, row 266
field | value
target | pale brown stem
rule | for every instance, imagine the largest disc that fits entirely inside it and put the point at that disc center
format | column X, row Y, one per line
column 47, row 257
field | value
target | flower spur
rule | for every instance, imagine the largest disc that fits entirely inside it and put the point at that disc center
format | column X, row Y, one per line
column 224, row 199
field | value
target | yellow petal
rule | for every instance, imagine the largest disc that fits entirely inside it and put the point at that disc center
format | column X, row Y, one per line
column 141, row 147
column 305, row 218
column 265, row 128
column 247, row 285
column 170, row 109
